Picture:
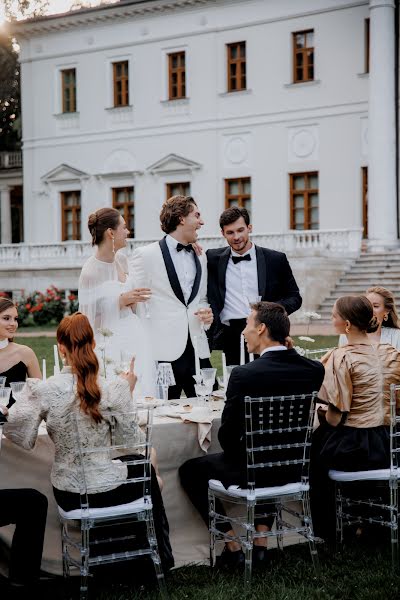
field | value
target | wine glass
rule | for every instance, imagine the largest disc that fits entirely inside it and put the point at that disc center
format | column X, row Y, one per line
column 17, row 387
column 202, row 392
column 5, row 396
column 202, row 309
column 253, row 300
column 208, row 376
column 2, row 381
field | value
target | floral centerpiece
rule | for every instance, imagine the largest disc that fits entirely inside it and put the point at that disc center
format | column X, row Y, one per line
column 309, row 315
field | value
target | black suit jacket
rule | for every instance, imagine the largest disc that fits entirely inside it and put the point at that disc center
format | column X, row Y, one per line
column 275, row 283
column 275, row 373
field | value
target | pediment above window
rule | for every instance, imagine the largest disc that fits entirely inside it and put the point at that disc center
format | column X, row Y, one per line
column 64, row 174
column 172, row 164
column 119, row 164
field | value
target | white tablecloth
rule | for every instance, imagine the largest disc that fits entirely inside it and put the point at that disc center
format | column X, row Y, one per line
column 174, row 442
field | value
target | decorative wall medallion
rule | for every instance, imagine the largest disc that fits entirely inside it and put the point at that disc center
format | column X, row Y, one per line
column 90, row 40
column 38, row 48
column 303, row 143
column 203, row 20
column 236, row 150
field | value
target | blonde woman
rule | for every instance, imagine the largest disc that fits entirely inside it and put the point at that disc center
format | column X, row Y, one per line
column 384, row 307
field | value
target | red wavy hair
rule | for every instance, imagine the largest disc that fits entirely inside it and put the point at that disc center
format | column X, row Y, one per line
column 76, row 334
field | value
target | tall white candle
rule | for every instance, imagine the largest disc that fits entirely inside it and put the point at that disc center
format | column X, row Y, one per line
column 241, row 349
column 224, row 371
column 196, row 356
column 251, row 357
column 56, row 360
column 44, row 370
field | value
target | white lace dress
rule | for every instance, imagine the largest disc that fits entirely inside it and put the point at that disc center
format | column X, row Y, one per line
column 119, row 333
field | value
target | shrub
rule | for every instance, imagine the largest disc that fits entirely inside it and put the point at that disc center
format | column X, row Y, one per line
column 47, row 307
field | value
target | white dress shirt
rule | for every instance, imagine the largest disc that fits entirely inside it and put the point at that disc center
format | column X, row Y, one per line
column 184, row 264
column 273, row 349
column 241, row 285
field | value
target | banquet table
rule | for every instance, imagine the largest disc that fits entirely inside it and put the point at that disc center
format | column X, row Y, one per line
column 175, row 442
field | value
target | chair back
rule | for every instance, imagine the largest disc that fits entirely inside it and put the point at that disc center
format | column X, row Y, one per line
column 317, row 354
column 278, row 439
column 394, row 429
column 120, row 455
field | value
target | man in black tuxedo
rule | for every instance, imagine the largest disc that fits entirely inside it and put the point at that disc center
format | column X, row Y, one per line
column 278, row 371
column 240, row 274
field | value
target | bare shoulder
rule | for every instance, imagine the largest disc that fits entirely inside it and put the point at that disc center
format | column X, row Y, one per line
column 24, row 353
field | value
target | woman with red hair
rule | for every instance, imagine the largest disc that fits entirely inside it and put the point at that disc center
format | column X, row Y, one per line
column 78, row 389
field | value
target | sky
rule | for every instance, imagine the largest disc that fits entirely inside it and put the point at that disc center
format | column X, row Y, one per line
column 55, row 6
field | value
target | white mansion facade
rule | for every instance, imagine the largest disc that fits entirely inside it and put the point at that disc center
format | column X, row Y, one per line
column 287, row 107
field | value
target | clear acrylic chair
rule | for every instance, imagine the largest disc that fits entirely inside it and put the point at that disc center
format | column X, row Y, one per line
column 278, row 441
column 93, row 537
column 380, row 508
column 316, row 354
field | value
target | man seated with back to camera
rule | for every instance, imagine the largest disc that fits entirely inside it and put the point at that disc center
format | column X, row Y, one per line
column 279, row 371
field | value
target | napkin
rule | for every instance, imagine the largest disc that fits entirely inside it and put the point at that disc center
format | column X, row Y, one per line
column 204, row 419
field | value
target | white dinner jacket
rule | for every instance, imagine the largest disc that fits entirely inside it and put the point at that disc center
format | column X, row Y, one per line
column 170, row 318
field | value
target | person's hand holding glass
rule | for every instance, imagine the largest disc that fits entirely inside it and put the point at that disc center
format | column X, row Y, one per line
column 204, row 313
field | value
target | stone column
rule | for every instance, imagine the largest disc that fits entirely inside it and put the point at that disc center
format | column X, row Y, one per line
column 5, row 211
column 382, row 196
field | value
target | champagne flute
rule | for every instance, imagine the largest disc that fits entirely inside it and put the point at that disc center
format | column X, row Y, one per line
column 146, row 304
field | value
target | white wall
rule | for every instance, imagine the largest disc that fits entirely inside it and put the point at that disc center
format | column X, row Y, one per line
column 252, row 133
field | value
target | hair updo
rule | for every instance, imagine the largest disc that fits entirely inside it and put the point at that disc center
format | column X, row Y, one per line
column 359, row 311
column 100, row 221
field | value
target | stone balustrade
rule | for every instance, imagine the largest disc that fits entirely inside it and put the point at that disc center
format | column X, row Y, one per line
column 68, row 255
column 11, row 160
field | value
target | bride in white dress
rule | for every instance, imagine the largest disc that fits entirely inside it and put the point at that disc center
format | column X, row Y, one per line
column 108, row 297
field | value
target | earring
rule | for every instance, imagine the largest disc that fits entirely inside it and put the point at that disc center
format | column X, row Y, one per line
column 347, row 328
column 385, row 318
column 113, row 246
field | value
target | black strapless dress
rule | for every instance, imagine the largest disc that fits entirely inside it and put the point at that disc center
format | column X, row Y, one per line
column 17, row 372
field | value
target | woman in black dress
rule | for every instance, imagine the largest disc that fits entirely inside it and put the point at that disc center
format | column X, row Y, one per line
column 17, row 362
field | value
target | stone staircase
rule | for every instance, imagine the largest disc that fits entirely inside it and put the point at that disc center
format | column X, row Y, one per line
column 368, row 270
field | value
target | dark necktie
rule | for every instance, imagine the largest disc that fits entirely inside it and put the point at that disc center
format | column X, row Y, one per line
column 237, row 259
column 180, row 247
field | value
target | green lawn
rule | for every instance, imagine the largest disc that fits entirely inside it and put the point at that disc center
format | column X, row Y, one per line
column 359, row 573
column 43, row 347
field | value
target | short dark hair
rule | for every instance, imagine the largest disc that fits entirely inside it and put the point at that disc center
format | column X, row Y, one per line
column 230, row 215
column 173, row 210
column 275, row 318
column 359, row 311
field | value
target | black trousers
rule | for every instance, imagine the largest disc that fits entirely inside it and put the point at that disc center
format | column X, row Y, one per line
column 121, row 495
column 231, row 342
column 27, row 509
column 195, row 475
column 184, row 369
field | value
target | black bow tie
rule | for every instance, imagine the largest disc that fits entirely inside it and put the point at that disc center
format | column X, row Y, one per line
column 237, row 259
column 180, row 247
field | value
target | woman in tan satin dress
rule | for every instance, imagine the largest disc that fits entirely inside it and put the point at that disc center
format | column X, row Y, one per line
column 356, row 388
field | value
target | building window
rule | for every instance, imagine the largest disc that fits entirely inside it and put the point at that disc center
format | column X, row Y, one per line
column 178, row 189
column 303, row 56
column 236, row 66
column 366, row 46
column 121, row 83
column 176, row 75
column 123, row 200
column 304, row 201
column 68, row 91
column 71, row 215
column 238, row 193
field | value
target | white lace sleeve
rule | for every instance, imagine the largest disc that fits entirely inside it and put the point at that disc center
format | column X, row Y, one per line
column 26, row 414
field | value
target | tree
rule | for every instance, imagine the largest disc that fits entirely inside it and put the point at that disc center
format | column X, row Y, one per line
column 10, row 121
column 15, row 9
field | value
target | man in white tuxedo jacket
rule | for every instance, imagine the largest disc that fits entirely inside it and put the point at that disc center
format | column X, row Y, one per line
column 178, row 281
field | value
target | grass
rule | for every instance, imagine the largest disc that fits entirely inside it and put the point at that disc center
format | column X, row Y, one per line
column 43, row 347
column 359, row 573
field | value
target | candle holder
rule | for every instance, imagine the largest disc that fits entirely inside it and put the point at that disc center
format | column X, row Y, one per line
column 165, row 378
